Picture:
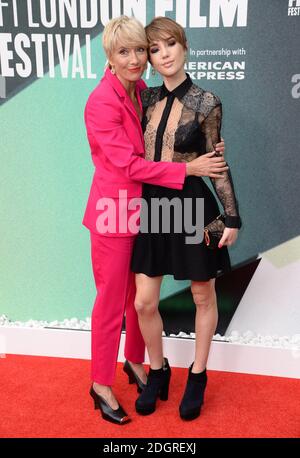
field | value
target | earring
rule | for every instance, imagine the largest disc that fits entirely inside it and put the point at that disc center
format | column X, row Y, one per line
column 113, row 71
column 153, row 71
column 186, row 60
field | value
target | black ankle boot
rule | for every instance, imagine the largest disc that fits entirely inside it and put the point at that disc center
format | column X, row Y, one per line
column 193, row 397
column 157, row 386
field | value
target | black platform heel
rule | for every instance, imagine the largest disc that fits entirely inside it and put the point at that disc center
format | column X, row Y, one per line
column 133, row 378
column 157, row 387
column 193, row 398
column 118, row 416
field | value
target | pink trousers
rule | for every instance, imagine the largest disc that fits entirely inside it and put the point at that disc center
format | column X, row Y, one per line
column 115, row 285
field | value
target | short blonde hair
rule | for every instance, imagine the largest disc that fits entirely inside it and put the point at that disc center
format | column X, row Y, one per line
column 161, row 27
column 124, row 30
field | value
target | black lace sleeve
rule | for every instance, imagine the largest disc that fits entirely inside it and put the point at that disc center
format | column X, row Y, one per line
column 211, row 127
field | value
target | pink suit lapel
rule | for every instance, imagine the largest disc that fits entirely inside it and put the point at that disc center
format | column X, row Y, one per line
column 121, row 91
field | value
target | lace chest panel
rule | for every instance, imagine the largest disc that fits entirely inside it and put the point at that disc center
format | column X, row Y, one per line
column 168, row 135
column 182, row 137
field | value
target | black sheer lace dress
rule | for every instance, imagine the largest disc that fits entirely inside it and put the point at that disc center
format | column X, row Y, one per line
column 179, row 126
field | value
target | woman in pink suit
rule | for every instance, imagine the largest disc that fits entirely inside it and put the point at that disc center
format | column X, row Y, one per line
column 112, row 117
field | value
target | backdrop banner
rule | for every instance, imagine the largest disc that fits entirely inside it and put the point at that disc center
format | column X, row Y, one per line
column 51, row 58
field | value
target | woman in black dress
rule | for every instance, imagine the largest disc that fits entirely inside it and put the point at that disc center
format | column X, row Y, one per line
column 181, row 121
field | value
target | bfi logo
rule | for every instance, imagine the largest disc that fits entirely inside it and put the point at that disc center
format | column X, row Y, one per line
column 294, row 8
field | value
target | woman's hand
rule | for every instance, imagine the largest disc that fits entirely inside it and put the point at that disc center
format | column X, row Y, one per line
column 220, row 147
column 229, row 236
column 207, row 165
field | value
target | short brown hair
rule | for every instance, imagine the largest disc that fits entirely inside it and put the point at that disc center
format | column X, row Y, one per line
column 161, row 26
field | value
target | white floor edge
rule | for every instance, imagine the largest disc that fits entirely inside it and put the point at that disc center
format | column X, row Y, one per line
column 229, row 357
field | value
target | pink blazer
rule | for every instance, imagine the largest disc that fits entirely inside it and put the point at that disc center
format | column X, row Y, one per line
column 117, row 146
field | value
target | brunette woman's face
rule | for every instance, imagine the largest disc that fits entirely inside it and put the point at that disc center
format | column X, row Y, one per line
column 129, row 63
column 167, row 56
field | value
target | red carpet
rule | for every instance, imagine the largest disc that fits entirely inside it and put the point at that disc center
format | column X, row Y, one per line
column 48, row 397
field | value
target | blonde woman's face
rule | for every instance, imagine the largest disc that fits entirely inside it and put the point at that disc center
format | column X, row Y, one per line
column 129, row 63
column 167, row 56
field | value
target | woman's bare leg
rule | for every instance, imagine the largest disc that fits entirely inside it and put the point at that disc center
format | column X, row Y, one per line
column 146, row 305
column 204, row 296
